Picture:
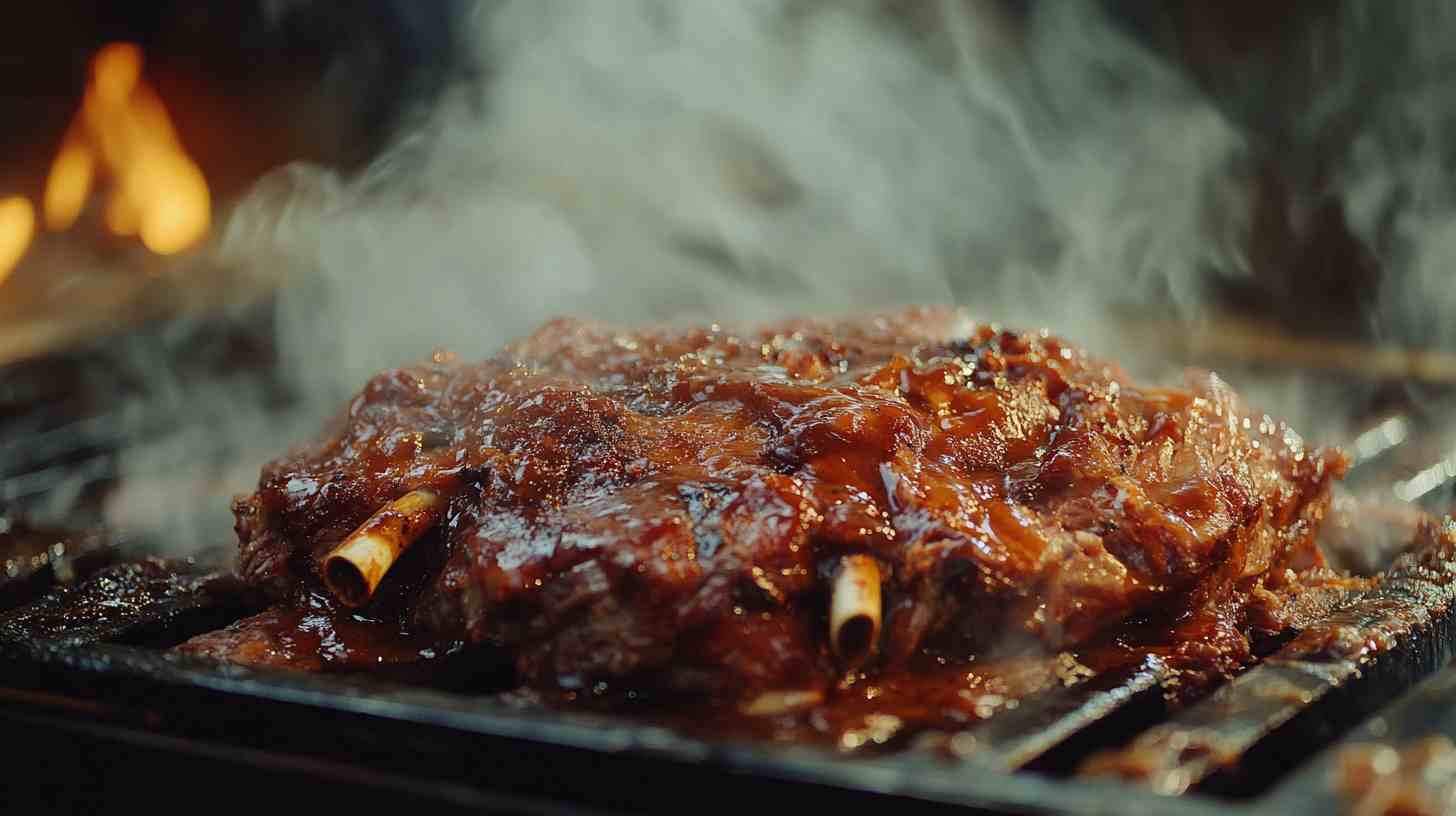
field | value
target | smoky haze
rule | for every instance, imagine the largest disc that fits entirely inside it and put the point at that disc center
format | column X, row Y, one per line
column 648, row 161
column 645, row 161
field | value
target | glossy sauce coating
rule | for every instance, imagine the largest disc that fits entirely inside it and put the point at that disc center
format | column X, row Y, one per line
column 312, row 634
column 116, row 601
column 34, row 558
column 664, row 509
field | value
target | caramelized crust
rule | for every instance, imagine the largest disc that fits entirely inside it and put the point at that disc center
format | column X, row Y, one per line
column 668, row 505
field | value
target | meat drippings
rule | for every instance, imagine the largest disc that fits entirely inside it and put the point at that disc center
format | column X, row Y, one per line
column 312, row 634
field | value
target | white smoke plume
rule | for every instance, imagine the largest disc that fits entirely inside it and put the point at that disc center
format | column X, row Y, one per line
column 644, row 161
column 1396, row 182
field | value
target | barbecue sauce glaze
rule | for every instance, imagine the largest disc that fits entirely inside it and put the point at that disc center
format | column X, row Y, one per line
column 652, row 518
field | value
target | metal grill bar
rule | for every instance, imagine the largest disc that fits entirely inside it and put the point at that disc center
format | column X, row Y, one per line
column 1021, row 736
column 1383, row 639
column 38, row 444
column 484, row 744
column 1426, row 713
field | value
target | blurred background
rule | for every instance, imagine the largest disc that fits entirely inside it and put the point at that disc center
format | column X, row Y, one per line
column 217, row 220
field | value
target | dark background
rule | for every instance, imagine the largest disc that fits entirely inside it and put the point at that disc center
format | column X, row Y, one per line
column 250, row 85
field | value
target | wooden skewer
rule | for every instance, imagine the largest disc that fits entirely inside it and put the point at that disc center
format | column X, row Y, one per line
column 854, row 610
column 353, row 570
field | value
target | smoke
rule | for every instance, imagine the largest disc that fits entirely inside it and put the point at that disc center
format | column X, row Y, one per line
column 1396, row 183
column 645, row 161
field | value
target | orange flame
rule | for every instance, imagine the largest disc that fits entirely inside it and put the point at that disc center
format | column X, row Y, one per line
column 123, row 129
column 17, row 227
column 72, row 174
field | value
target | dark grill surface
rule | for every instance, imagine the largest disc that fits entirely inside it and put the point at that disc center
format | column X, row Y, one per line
column 97, row 706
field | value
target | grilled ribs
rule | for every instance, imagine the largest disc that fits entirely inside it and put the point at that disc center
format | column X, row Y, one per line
column 667, row 506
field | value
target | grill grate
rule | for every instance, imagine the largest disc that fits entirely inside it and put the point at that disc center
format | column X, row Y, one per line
column 1051, row 730
column 1426, row 715
column 106, row 682
column 67, row 419
column 420, row 738
column 1276, row 698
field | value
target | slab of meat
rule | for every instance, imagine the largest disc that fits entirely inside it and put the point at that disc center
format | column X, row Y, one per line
column 669, row 506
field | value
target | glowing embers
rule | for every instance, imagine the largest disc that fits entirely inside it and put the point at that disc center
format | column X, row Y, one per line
column 122, row 133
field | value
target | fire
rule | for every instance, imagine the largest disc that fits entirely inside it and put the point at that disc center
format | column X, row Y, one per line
column 72, row 175
column 123, row 132
column 17, row 226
